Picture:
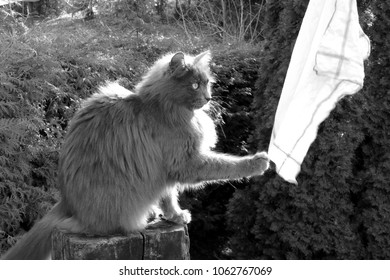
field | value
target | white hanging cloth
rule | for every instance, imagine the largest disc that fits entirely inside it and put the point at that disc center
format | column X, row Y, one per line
column 326, row 64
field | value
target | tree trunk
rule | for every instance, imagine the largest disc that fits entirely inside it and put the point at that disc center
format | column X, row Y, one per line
column 160, row 241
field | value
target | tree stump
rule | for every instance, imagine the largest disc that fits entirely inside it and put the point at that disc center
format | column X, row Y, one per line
column 161, row 240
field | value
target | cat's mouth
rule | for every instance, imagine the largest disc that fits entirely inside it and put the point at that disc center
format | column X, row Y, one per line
column 198, row 104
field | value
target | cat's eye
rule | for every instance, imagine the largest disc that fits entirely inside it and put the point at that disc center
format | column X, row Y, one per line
column 195, row 85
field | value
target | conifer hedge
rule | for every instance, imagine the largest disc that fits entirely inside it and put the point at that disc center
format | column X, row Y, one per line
column 341, row 207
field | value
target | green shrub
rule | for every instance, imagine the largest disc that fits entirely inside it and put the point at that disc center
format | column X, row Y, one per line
column 27, row 158
column 339, row 209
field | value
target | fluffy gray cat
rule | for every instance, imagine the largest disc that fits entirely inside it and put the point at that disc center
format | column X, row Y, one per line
column 127, row 152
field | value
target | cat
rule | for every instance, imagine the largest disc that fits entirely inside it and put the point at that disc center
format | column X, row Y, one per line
column 126, row 153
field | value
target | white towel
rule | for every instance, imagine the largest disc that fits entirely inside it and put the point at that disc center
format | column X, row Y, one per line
column 326, row 64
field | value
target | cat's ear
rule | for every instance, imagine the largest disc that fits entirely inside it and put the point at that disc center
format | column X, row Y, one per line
column 203, row 59
column 177, row 64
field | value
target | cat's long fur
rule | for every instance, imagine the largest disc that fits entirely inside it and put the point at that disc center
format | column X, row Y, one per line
column 126, row 152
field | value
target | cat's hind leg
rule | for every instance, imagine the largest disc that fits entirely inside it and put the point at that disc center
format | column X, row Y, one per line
column 71, row 225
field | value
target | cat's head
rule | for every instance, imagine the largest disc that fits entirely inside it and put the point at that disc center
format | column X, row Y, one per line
column 193, row 78
column 180, row 79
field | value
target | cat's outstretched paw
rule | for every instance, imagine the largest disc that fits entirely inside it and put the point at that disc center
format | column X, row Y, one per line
column 260, row 163
column 183, row 217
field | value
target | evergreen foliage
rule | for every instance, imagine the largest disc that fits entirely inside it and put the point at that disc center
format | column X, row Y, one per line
column 27, row 160
column 339, row 210
column 372, row 162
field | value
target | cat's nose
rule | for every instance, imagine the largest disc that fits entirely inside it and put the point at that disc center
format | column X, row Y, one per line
column 208, row 99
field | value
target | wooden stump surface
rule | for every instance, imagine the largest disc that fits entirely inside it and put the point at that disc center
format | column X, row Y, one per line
column 161, row 240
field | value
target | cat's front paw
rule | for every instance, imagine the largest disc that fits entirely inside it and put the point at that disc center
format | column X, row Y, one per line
column 183, row 217
column 259, row 163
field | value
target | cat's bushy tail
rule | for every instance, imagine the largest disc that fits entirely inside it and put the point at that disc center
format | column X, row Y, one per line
column 36, row 244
